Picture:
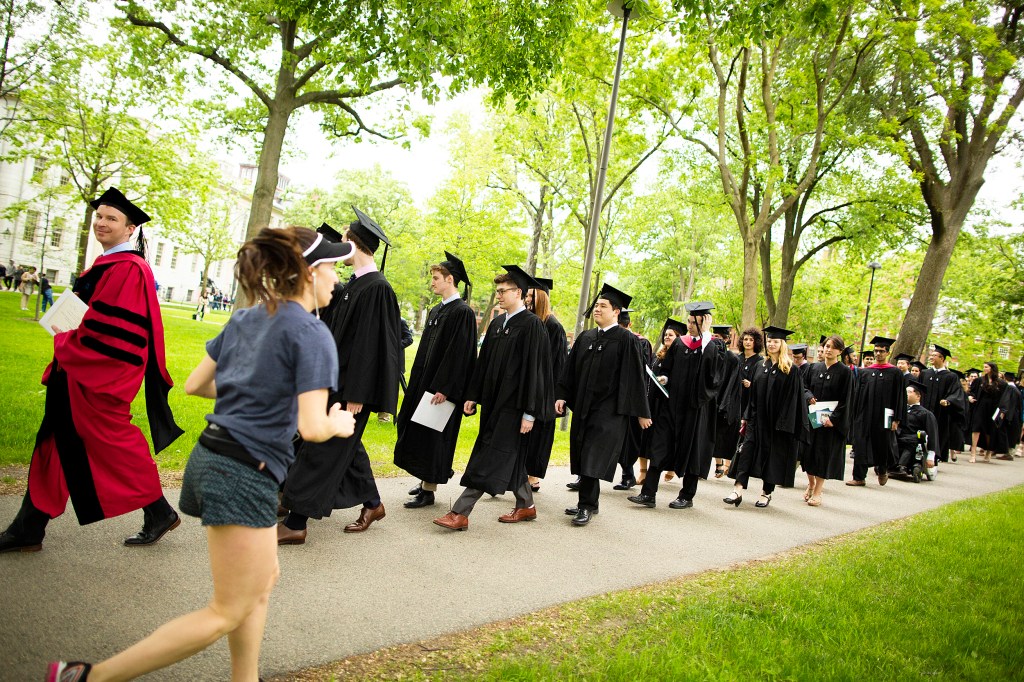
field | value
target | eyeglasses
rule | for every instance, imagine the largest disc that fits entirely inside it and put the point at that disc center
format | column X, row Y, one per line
column 502, row 292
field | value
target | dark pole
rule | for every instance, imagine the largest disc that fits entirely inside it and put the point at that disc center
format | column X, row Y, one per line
column 864, row 332
column 595, row 217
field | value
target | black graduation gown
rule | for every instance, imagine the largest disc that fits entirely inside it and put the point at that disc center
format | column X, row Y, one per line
column 443, row 364
column 918, row 418
column 776, row 423
column 727, row 416
column 749, row 371
column 825, row 454
column 993, row 432
column 364, row 319
column 1011, row 415
column 684, row 440
column 512, row 377
column 878, row 388
column 633, row 440
column 542, row 436
column 659, row 408
column 603, row 385
column 950, row 419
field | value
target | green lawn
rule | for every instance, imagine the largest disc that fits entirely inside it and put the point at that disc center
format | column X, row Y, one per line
column 936, row 596
column 29, row 348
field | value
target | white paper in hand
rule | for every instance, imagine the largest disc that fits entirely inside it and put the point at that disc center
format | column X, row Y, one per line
column 433, row 416
column 66, row 313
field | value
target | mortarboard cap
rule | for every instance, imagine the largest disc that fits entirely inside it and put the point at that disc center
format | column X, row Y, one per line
column 370, row 233
column 521, row 277
column 958, row 373
column 904, row 356
column 699, row 307
column 624, row 319
column 675, row 325
column 920, row 365
column 974, row 370
column 944, row 351
column 322, row 250
column 800, row 348
column 329, row 233
column 822, row 339
column 772, row 332
column 1010, row 376
column 617, row 298
column 918, row 386
column 454, row 265
column 545, row 284
column 869, row 353
column 721, row 329
column 113, row 197
column 882, row 342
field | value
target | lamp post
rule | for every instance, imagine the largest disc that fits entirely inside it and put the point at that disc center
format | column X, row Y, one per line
column 619, row 8
column 864, row 332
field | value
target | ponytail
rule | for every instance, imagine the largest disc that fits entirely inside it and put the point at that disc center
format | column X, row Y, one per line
column 270, row 266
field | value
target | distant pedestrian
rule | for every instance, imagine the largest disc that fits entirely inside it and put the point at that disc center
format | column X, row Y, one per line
column 3, row 276
column 987, row 434
column 28, row 286
column 47, row 292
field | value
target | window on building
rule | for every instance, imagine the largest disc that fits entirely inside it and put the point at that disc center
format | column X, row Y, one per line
column 170, row 292
column 174, row 257
column 31, row 226
column 65, row 178
column 57, row 232
column 1004, row 352
column 158, row 259
column 188, row 295
column 220, row 268
column 39, row 169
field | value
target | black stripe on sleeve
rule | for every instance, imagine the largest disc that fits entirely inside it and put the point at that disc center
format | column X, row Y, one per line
column 121, row 313
column 116, row 332
column 110, row 351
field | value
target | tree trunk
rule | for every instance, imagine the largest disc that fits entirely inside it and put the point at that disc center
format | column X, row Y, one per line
column 485, row 319
column 267, row 173
column 767, row 284
column 751, row 245
column 538, row 231
column 83, row 233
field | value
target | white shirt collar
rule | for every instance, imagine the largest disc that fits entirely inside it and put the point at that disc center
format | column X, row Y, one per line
column 124, row 246
column 453, row 297
column 613, row 324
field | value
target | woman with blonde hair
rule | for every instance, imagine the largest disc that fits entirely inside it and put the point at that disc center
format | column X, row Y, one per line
column 774, row 422
column 242, row 456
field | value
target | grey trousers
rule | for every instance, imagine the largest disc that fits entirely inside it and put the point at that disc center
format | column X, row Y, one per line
column 469, row 497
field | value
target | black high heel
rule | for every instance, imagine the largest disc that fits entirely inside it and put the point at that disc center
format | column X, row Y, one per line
column 535, row 487
column 733, row 499
column 762, row 506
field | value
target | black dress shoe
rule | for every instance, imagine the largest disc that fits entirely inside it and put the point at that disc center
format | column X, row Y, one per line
column 680, row 503
column 643, row 500
column 573, row 511
column 151, row 533
column 416, row 491
column 627, row 484
column 582, row 517
column 424, row 499
column 9, row 542
column 573, row 485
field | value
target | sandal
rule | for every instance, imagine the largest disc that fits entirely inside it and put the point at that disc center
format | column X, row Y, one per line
column 814, row 501
column 719, row 472
column 767, row 500
column 808, row 493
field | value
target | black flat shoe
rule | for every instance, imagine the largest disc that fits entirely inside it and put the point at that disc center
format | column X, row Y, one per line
column 681, row 503
column 9, row 542
column 582, row 517
column 535, row 487
column 574, row 511
column 573, row 485
column 733, row 499
column 151, row 534
column 415, row 491
column 424, row 499
column 642, row 500
column 625, row 485
column 761, row 505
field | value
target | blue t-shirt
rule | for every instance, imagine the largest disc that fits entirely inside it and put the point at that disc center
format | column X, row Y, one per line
column 263, row 363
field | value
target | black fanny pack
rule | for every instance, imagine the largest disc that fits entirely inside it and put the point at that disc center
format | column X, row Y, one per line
column 219, row 441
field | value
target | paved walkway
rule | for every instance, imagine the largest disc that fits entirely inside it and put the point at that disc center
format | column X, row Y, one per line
column 85, row 596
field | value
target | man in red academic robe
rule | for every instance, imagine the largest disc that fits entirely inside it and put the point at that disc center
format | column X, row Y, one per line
column 87, row 448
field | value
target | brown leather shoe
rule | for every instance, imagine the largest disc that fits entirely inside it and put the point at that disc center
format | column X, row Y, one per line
column 854, row 481
column 453, row 521
column 519, row 514
column 366, row 517
column 287, row 536
column 883, row 479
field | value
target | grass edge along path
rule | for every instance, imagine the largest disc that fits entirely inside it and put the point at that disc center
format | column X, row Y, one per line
column 938, row 595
